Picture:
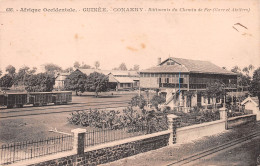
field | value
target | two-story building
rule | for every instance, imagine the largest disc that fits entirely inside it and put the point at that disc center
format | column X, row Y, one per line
column 174, row 76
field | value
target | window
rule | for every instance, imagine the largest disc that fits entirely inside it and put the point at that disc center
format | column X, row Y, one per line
column 152, row 75
column 160, row 80
column 170, row 63
column 181, row 80
column 167, row 80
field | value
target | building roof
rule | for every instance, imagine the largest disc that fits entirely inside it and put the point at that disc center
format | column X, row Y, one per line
column 251, row 99
column 124, row 79
column 167, row 69
column 106, row 72
column 188, row 65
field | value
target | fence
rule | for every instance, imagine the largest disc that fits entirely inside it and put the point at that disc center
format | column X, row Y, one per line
column 14, row 152
column 100, row 136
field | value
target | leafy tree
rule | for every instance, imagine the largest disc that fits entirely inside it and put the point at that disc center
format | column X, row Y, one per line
column 42, row 82
column 85, row 66
column 76, row 82
column 214, row 90
column 1, row 72
column 236, row 69
column 97, row 64
column 122, row 66
column 138, row 101
column 68, row 70
column 135, row 68
column 6, row 81
column 243, row 80
column 156, row 100
column 76, row 64
column 10, row 69
column 20, row 76
column 33, row 70
column 255, row 85
column 96, row 82
column 51, row 68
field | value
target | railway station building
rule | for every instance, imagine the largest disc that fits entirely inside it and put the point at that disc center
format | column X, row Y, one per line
column 174, row 77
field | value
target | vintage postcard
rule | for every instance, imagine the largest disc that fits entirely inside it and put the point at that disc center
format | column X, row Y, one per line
column 120, row 82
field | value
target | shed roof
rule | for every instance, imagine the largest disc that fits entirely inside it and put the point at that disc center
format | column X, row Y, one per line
column 251, row 99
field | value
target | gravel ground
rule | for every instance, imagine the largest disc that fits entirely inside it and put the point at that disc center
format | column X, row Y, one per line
column 168, row 154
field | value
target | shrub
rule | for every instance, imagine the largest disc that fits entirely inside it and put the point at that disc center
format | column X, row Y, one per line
column 151, row 120
column 138, row 101
column 156, row 100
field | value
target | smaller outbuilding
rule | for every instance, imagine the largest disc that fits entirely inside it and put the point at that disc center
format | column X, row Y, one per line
column 252, row 103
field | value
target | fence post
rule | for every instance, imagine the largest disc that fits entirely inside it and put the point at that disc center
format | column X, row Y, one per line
column 223, row 115
column 172, row 125
column 79, row 140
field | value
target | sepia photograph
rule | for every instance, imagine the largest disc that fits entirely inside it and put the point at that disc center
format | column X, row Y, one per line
column 129, row 82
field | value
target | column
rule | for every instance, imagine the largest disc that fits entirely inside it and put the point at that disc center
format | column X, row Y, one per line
column 79, row 139
column 223, row 115
column 172, row 125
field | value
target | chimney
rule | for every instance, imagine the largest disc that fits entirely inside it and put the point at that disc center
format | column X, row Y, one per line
column 159, row 61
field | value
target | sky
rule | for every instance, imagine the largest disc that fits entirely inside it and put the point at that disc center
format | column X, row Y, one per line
column 34, row 39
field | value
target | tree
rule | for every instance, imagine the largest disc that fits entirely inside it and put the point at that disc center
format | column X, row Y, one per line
column 243, row 80
column 255, row 84
column 6, row 81
column 68, row 70
column 85, row 66
column 10, row 69
column 214, row 90
column 156, row 100
column 51, row 68
column 122, row 66
column 0, row 73
column 97, row 64
column 236, row 69
column 135, row 68
column 20, row 76
column 33, row 70
column 138, row 101
column 76, row 64
column 96, row 82
column 42, row 82
column 76, row 82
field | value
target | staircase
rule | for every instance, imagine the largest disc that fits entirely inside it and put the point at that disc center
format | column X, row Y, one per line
column 171, row 95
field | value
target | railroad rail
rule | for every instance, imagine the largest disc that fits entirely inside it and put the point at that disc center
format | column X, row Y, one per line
column 74, row 105
column 21, row 113
column 213, row 150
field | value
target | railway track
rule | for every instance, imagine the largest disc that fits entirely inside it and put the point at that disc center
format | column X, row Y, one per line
column 71, row 105
column 188, row 160
column 70, row 108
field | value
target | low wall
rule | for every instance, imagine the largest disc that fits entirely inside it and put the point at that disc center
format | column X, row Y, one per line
column 107, row 152
column 190, row 133
column 240, row 120
column 116, row 150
